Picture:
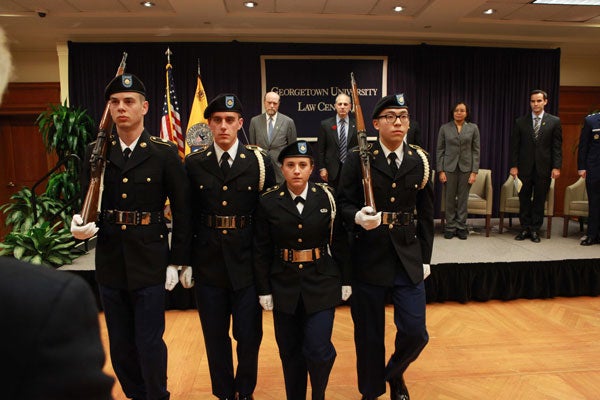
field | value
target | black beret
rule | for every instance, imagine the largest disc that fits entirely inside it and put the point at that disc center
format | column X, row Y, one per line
column 223, row 102
column 125, row 83
column 391, row 101
column 299, row 148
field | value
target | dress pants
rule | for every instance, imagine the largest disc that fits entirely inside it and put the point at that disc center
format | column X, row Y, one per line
column 457, row 198
column 368, row 313
column 136, row 323
column 531, row 211
column 592, row 184
column 217, row 307
column 305, row 346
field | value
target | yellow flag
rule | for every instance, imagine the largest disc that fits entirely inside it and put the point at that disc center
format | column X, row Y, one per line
column 198, row 134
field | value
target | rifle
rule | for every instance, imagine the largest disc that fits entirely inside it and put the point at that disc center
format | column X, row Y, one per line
column 363, row 148
column 93, row 197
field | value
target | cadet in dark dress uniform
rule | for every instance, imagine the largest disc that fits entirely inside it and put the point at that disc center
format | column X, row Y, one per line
column 391, row 250
column 297, row 233
column 226, row 179
column 589, row 168
column 132, row 253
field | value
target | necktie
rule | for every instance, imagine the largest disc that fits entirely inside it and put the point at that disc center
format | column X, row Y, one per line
column 270, row 128
column 393, row 166
column 225, row 167
column 299, row 200
column 343, row 142
column 126, row 153
column 536, row 127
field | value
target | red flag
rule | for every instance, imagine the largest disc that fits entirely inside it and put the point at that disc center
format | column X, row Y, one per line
column 170, row 127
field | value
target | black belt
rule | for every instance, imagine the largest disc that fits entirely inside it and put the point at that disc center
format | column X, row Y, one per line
column 304, row 255
column 132, row 217
column 227, row 221
column 397, row 218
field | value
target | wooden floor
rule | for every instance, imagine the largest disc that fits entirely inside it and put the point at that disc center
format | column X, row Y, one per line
column 522, row 349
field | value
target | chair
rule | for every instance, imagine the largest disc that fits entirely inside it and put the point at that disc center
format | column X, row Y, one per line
column 509, row 203
column 576, row 204
column 480, row 199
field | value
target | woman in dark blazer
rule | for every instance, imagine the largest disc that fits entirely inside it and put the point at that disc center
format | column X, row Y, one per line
column 458, row 163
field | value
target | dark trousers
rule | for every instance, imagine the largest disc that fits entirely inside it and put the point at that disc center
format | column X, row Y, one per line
column 592, row 184
column 136, row 323
column 305, row 346
column 368, row 313
column 217, row 307
column 531, row 210
column 457, row 199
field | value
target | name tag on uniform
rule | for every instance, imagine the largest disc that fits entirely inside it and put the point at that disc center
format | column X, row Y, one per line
column 596, row 130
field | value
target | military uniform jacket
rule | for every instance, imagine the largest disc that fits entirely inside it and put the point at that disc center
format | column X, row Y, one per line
column 136, row 256
column 375, row 253
column 223, row 257
column 589, row 146
column 279, row 226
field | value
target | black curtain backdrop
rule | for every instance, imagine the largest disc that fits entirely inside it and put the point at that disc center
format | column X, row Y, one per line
column 494, row 82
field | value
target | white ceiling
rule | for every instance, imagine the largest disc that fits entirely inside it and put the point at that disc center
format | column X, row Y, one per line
column 575, row 29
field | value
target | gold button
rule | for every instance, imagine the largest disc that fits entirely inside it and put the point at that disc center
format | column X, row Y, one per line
column 391, row 226
column 299, row 226
column 124, row 196
column 125, row 180
column 224, row 203
column 148, row 179
column 201, row 186
column 123, row 227
column 416, row 186
column 394, row 184
column 225, row 187
column 299, row 240
column 224, row 231
column 162, row 236
column 249, row 187
column 300, row 266
column 393, row 199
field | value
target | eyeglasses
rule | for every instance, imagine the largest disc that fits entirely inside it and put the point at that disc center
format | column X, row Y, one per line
column 391, row 118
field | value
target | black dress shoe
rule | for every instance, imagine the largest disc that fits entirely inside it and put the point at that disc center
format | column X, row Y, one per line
column 588, row 241
column 462, row 234
column 535, row 237
column 398, row 390
column 524, row 234
column 448, row 235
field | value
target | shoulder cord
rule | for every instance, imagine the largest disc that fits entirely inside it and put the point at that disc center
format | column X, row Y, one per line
column 261, row 168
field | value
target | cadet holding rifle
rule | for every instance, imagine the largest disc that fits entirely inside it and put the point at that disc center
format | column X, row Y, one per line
column 134, row 263
column 391, row 248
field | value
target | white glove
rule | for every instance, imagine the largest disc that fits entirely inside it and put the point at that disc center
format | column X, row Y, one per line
column 367, row 221
column 266, row 302
column 346, row 292
column 81, row 231
column 426, row 271
column 172, row 277
column 186, row 278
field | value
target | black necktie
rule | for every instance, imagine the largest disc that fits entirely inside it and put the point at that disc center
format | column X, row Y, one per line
column 225, row 167
column 299, row 199
column 126, row 153
column 393, row 166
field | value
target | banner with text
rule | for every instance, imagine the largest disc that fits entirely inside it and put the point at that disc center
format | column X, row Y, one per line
column 308, row 86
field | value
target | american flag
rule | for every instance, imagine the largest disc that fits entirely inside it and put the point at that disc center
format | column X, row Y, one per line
column 170, row 127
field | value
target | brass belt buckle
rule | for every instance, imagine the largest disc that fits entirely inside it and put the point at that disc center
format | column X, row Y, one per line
column 302, row 256
column 225, row 221
column 126, row 217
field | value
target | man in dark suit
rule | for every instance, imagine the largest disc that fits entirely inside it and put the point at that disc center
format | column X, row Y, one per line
column 391, row 252
column 135, row 262
column 301, row 281
column 272, row 130
column 227, row 178
column 336, row 136
column 536, row 157
column 51, row 348
column 588, row 162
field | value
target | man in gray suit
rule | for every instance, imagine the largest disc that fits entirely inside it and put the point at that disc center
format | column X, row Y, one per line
column 272, row 130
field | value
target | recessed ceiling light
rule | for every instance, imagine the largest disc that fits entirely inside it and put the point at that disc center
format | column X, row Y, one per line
column 147, row 3
column 398, row 9
column 250, row 4
column 568, row 2
column 489, row 11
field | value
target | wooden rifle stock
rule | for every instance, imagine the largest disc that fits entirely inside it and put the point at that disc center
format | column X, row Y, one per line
column 363, row 148
column 91, row 203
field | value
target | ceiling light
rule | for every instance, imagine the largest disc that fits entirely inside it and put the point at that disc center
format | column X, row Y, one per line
column 147, row 3
column 250, row 4
column 398, row 9
column 568, row 2
column 489, row 11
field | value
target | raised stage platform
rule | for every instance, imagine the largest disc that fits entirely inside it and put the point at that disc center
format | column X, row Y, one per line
column 480, row 268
